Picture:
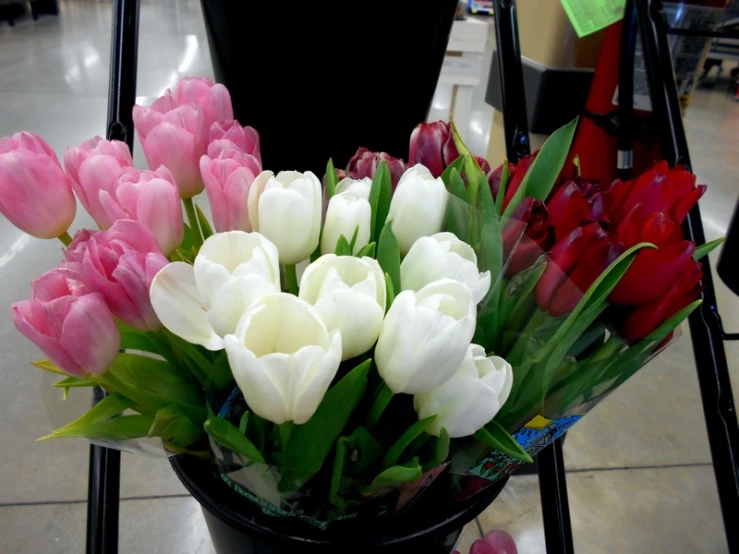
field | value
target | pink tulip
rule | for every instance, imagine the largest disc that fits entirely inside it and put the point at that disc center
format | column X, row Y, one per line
column 364, row 164
column 120, row 263
column 69, row 323
column 227, row 181
column 174, row 131
column 229, row 135
column 35, row 194
column 92, row 167
column 151, row 198
column 495, row 542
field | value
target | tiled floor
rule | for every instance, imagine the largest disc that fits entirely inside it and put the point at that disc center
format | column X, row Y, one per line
column 640, row 478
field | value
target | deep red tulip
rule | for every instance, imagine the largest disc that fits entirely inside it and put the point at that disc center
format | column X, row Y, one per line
column 532, row 218
column 568, row 209
column 683, row 290
column 652, row 270
column 494, row 176
column 575, row 263
column 517, row 176
column 658, row 190
column 365, row 162
column 432, row 145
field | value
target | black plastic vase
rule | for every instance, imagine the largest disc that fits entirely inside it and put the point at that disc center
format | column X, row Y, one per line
column 320, row 79
column 239, row 526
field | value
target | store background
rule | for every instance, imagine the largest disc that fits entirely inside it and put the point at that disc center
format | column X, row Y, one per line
column 639, row 469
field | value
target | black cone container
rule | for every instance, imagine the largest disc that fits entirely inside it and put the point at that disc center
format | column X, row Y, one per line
column 320, row 79
column 238, row 526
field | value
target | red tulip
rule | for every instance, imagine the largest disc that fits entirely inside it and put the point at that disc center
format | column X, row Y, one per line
column 532, row 218
column 432, row 145
column 576, row 262
column 652, row 271
column 515, row 180
column 495, row 175
column 683, row 290
column 364, row 164
column 658, row 190
column 569, row 208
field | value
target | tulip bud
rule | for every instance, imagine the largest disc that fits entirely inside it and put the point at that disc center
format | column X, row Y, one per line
column 152, row 199
column 120, row 263
column 443, row 256
column 418, row 206
column 424, row 336
column 470, row 399
column 495, row 542
column 516, row 177
column 229, row 135
column 365, row 162
column 568, row 209
column 495, row 175
column 93, row 166
column 286, row 209
column 349, row 295
column 204, row 302
column 432, row 146
column 527, row 235
column 348, row 210
column 227, row 180
column 283, row 358
column 69, row 323
column 35, row 194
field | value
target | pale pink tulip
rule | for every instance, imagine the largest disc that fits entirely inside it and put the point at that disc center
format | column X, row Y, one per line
column 70, row 324
column 227, row 181
column 151, row 198
column 174, row 130
column 229, row 135
column 92, row 167
column 120, row 263
column 35, row 194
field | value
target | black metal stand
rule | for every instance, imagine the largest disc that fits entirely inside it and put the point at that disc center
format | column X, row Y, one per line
column 103, row 494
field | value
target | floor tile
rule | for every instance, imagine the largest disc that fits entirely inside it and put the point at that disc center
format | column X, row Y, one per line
column 470, row 534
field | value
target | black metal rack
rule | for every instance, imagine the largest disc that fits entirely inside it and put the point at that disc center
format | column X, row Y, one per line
column 705, row 325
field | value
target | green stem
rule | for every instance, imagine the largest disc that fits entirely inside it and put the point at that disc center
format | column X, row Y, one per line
column 517, row 353
column 292, row 279
column 286, row 430
column 65, row 238
column 192, row 217
column 378, row 407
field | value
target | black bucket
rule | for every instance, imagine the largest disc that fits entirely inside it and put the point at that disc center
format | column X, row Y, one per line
column 320, row 79
column 237, row 525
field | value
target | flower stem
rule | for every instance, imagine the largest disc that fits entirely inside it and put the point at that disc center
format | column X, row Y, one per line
column 193, row 219
column 292, row 279
column 286, row 430
column 65, row 238
column 378, row 407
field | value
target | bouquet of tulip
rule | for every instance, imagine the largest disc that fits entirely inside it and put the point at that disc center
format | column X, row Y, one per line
column 336, row 347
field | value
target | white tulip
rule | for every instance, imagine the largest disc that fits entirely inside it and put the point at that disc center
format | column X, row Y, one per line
column 424, row 336
column 349, row 294
column 286, row 208
column 283, row 358
column 418, row 206
column 440, row 256
column 348, row 210
column 471, row 398
column 204, row 302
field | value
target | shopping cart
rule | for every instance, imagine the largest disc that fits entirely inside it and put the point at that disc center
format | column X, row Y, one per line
column 705, row 324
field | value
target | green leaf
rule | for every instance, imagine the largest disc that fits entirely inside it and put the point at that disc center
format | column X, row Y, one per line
column 705, row 249
column 661, row 332
column 338, row 470
column 74, row 382
column 120, row 428
column 544, row 170
column 389, row 291
column 311, row 442
column 220, row 374
column 132, row 339
column 368, row 250
column 48, row 365
column 456, row 165
column 388, row 255
column 379, row 200
column 471, row 168
column 112, row 405
column 354, row 239
column 362, row 451
column 343, row 248
column 331, row 179
column 224, row 433
column 456, row 185
column 441, row 449
column 204, row 223
column 188, row 241
column 258, row 430
column 172, row 425
column 504, row 176
column 394, row 452
column 396, row 475
column 243, row 422
column 498, row 438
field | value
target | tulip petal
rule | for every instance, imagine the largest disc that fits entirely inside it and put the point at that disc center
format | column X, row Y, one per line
column 90, row 334
column 176, row 301
column 288, row 220
column 236, row 297
column 317, row 369
column 394, row 351
column 356, row 316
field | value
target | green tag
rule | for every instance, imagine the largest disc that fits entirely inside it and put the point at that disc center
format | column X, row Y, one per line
column 590, row 16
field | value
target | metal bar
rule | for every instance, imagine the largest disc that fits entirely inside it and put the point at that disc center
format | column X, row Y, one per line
column 103, row 493
column 515, row 119
column 552, row 478
column 705, row 328
column 554, row 501
column 626, row 92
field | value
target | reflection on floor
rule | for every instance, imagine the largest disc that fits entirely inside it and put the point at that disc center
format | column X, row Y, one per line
column 639, row 466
